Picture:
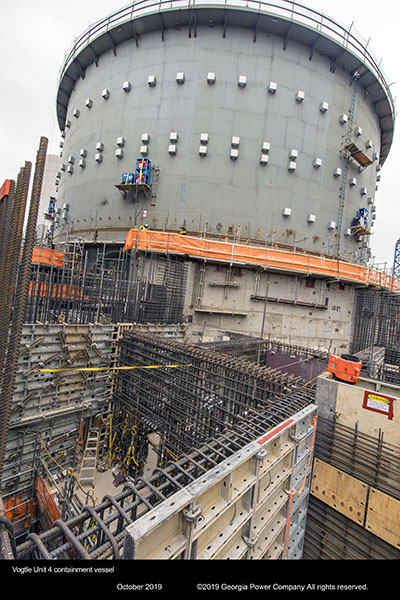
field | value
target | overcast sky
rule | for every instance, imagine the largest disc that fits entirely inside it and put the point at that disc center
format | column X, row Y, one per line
column 35, row 35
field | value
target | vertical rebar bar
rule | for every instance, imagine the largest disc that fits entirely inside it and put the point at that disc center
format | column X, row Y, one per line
column 5, row 211
column 21, row 296
column 7, row 205
column 11, row 248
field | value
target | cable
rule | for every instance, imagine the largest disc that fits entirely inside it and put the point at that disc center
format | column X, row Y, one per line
column 319, row 374
column 71, row 472
column 113, row 368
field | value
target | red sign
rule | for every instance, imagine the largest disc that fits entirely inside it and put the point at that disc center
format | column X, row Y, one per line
column 379, row 403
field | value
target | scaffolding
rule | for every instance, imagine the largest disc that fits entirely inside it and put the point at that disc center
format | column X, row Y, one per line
column 396, row 260
column 78, row 284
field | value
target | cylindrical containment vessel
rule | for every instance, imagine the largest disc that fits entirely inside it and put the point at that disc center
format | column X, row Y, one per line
column 242, row 120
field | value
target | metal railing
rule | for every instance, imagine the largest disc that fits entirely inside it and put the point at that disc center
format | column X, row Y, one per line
column 345, row 36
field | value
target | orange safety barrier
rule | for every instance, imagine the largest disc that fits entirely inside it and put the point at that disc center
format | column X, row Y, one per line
column 57, row 290
column 47, row 256
column 271, row 258
column 46, row 500
column 16, row 509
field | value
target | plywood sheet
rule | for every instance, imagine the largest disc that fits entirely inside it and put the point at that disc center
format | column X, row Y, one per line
column 352, row 408
column 383, row 517
column 340, row 491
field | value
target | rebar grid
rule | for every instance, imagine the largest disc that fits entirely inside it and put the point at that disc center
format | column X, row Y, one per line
column 363, row 456
column 331, row 536
column 206, row 393
column 261, row 403
column 107, row 286
column 256, row 349
column 376, row 326
column 376, row 319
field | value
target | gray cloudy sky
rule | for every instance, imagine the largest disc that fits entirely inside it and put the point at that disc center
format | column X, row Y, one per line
column 35, row 35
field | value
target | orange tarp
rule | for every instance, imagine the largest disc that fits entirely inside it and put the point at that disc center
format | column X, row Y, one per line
column 47, row 500
column 271, row 258
column 55, row 290
column 16, row 509
column 47, row 256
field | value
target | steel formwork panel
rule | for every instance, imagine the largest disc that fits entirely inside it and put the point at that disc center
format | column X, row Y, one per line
column 60, row 347
column 256, row 407
column 171, row 490
column 47, row 408
column 240, row 508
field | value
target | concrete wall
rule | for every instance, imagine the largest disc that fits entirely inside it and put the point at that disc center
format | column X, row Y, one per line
column 216, row 193
column 347, row 404
column 239, row 307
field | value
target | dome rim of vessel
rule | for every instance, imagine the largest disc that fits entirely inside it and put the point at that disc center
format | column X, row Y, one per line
column 101, row 37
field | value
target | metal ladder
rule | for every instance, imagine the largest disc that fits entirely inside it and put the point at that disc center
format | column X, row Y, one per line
column 87, row 473
column 104, row 430
column 343, row 186
column 200, row 287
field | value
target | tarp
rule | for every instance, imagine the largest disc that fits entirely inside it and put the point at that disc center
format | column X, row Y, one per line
column 47, row 256
column 47, row 501
column 260, row 256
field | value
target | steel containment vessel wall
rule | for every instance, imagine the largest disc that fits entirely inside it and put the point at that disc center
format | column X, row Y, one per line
column 243, row 109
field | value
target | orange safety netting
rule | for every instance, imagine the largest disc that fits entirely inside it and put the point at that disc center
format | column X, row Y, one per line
column 47, row 501
column 16, row 509
column 271, row 258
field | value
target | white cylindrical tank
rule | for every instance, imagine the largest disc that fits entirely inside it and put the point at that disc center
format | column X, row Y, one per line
column 244, row 115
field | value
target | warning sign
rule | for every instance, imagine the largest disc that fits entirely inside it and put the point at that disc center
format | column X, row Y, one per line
column 379, row 403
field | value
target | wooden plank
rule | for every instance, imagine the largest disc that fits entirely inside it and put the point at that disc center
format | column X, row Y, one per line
column 383, row 517
column 358, row 155
column 340, row 491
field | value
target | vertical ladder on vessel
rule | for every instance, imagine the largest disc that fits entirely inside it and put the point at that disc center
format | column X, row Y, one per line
column 201, row 285
column 343, row 186
column 154, row 184
column 87, row 472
